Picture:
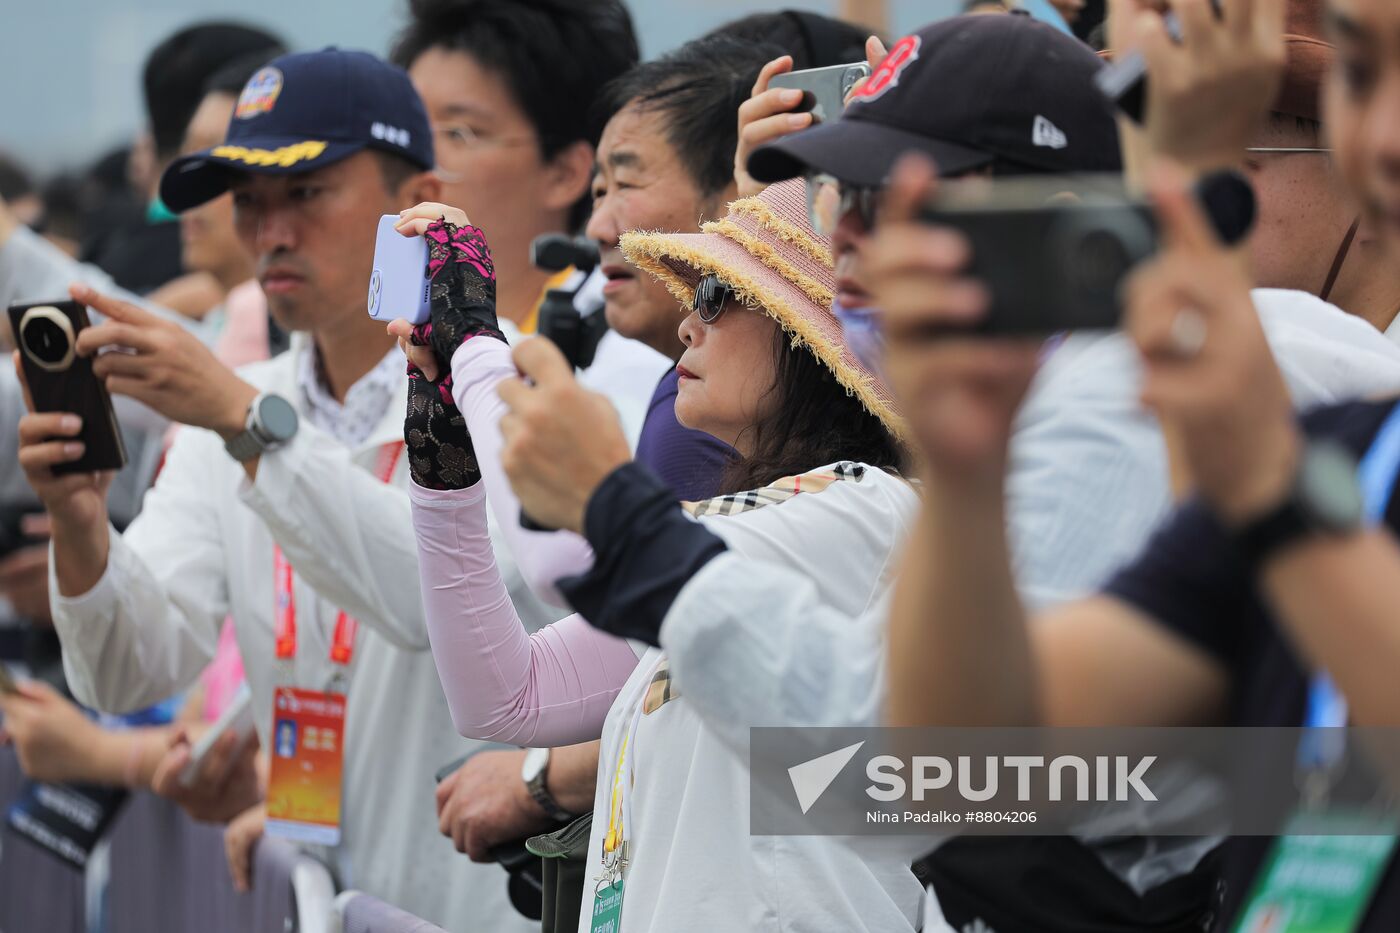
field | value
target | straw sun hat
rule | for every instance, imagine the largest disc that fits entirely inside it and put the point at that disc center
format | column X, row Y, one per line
column 766, row 251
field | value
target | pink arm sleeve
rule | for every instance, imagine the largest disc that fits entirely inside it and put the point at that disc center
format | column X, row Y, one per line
column 551, row 688
column 478, row 366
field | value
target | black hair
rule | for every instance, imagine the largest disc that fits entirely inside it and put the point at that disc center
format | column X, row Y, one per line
column 815, row 422
column 554, row 55
column 231, row 78
column 177, row 69
column 1097, row 37
column 67, row 208
column 813, row 40
column 394, row 169
column 15, row 182
column 697, row 89
column 1092, row 18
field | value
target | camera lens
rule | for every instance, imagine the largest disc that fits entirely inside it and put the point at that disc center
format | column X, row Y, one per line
column 1096, row 247
column 46, row 341
column 1098, row 261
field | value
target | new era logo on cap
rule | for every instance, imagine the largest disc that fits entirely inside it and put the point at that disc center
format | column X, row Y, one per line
column 1048, row 134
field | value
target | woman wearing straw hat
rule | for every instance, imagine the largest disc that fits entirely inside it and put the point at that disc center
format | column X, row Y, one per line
column 816, row 488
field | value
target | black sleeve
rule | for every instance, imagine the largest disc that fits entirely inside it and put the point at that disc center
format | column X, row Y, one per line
column 1190, row 580
column 645, row 550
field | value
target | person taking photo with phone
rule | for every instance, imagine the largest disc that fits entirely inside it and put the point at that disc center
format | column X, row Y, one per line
column 254, row 514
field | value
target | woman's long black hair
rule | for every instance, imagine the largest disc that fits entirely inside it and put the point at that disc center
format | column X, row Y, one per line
column 814, row 423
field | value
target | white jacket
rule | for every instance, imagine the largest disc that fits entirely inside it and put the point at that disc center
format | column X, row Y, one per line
column 202, row 549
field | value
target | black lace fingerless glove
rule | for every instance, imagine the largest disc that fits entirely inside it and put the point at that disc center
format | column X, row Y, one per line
column 440, row 454
column 462, row 296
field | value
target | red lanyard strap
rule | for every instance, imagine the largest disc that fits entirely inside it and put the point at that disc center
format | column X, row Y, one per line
column 284, row 615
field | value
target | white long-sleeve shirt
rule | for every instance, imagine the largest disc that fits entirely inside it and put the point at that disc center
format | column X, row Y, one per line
column 202, row 548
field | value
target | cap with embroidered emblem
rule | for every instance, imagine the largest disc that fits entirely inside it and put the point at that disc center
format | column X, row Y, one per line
column 302, row 112
column 965, row 91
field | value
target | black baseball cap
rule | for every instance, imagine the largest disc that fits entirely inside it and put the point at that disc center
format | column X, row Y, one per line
column 302, row 112
column 966, row 91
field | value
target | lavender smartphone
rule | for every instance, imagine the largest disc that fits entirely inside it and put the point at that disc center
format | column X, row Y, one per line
column 398, row 283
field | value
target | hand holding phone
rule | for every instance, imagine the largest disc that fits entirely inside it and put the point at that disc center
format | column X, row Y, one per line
column 60, row 380
column 398, row 282
column 824, row 89
column 237, row 718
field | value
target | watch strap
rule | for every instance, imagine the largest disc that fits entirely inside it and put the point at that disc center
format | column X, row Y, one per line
column 245, row 446
column 1273, row 531
column 1324, row 499
column 535, row 786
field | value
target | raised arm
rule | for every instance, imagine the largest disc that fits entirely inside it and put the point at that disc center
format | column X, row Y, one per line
column 148, row 622
column 551, row 688
column 963, row 650
column 464, row 332
column 478, row 368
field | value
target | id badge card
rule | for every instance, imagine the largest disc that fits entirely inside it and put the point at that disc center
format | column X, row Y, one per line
column 1316, row 880
column 307, row 755
column 607, row 909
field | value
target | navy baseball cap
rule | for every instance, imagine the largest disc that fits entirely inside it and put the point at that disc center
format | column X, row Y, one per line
column 302, row 112
column 965, row 91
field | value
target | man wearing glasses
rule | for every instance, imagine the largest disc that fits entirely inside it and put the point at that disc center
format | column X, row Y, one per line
column 509, row 88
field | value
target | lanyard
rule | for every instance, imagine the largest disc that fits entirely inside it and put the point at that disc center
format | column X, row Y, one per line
column 284, row 614
column 1327, row 708
column 615, row 853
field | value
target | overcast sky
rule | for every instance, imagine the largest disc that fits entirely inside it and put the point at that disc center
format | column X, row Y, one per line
column 70, row 69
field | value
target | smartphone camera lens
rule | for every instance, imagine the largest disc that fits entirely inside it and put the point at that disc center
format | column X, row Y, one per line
column 1100, row 261
column 47, row 337
column 1097, row 249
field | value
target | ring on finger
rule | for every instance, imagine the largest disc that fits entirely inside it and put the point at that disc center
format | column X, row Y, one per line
column 1188, row 332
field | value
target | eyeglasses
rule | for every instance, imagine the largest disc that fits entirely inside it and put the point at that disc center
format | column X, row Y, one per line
column 452, row 142
column 828, row 200
column 711, row 298
column 461, row 136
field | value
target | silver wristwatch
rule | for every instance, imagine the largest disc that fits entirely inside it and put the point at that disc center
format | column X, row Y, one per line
column 533, row 773
column 271, row 422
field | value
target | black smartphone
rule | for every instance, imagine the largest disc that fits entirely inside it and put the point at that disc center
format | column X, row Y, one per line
column 1054, row 251
column 824, row 89
column 1124, row 81
column 60, row 380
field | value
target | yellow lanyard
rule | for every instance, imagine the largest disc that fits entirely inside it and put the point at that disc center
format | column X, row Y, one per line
column 615, row 855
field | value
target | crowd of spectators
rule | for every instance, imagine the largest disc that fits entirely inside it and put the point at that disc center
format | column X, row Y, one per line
column 475, row 592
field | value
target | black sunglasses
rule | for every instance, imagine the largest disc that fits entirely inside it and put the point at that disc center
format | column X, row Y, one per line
column 711, row 296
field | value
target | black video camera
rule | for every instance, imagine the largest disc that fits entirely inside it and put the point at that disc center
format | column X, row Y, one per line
column 574, row 333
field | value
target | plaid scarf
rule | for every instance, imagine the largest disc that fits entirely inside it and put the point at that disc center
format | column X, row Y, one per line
column 778, row 491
